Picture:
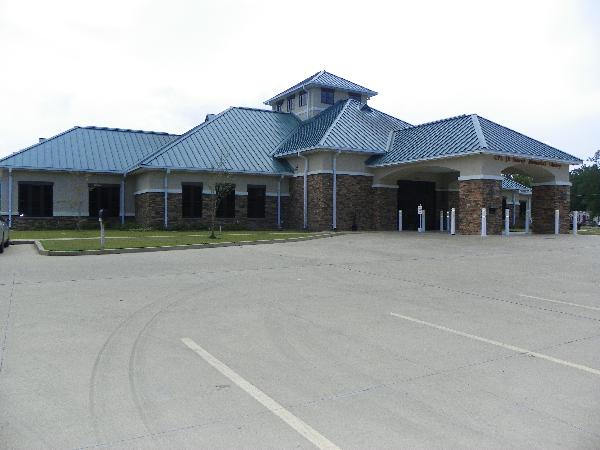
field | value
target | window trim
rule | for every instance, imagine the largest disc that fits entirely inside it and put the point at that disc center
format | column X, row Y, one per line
column 116, row 211
column 279, row 106
column 192, row 214
column 290, row 103
column 324, row 93
column 302, row 99
column 250, row 212
column 222, row 210
column 36, row 183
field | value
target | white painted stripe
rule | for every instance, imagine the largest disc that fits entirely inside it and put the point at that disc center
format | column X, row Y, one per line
column 501, row 344
column 297, row 424
column 593, row 308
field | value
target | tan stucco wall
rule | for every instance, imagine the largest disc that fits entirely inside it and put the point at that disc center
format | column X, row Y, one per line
column 322, row 162
column 153, row 181
column 313, row 104
column 70, row 191
column 475, row 166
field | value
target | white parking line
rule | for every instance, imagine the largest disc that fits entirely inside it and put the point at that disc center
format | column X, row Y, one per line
column 297, row 424
column 501, row 344
column 562, row 303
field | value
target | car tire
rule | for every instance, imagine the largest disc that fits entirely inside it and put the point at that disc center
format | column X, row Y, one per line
column 6, row 244
column 1, row 248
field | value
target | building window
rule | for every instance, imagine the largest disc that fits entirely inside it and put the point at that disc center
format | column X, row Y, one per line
column 106, row 197
column 36, row 199
column 191, row 199
column 256, row 201
column 279, row 106
column 302, row 99
column 290, row 103
column 354, row 96
column 327, row 96
column 226, row 207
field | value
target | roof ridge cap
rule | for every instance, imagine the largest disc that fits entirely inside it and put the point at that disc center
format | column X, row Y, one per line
column 127, row 130
column 333, row 124
column 434, row 121
column 479, row 131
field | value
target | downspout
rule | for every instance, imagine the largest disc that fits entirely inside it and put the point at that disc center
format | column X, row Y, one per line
column 514, row 208
column 305, row 192
column 334, row 212
column 279, row 202
column 10, row 183
column 122, row 199
column 166, row 189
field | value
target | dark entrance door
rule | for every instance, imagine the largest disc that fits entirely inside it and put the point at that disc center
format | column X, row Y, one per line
column 411, row 194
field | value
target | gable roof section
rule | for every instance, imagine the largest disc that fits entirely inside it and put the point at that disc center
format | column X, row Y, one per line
column 327, row 80
column 243, row 138
column 310, row 132
column 89, row 149
column 347, row 125
column 461, row 135
column 508, row 184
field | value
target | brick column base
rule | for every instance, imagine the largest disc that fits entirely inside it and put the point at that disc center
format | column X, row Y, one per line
column 544, row 201
column 474, row 195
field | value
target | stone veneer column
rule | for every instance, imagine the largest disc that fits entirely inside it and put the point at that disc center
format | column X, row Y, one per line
column 545, row 199
column 293, row 209
column 385, row 208
column 354, row 202
column 474, row 195
column 320, row 201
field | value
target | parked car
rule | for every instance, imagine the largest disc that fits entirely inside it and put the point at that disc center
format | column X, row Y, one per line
column 3, row 235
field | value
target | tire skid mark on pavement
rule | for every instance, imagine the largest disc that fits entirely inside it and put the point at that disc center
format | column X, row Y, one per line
column 104, row 355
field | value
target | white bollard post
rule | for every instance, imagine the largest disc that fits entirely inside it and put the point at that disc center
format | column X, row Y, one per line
column 483, row 222
column 453, row 221
column 556, row 221
column 575, row 217
column 441, row 220
column 507, row 222
column 527, row 220
column 399, row 220
column 423, row 227
column 420, row 218
column 448, row 221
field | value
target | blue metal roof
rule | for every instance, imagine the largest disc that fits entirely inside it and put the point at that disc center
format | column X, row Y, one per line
column 310, row 133
column 464, row 135
column 240, row 139
column 327, row 80
column 89, row 149
column 347, row 125
column 509, row 184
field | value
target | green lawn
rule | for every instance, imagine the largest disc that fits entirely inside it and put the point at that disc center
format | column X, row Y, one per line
column 73, row 240
column 590, row 230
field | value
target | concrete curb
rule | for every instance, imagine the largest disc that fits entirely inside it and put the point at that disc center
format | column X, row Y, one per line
column 42, row 251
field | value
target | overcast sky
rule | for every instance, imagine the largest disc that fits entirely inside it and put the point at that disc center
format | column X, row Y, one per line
column 163, row 65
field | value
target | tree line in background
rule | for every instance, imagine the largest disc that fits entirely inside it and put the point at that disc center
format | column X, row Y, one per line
column 585, row 189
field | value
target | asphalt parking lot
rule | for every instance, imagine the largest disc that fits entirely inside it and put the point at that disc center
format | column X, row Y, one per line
column 382, row 340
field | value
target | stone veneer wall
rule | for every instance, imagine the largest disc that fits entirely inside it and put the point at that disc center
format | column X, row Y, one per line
column 149, row 211
column 294, row 211
column 385, row 209
column 55, row 223
column 474, row 195
column 544, row 201
column 354, row 202
column 320, row 201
